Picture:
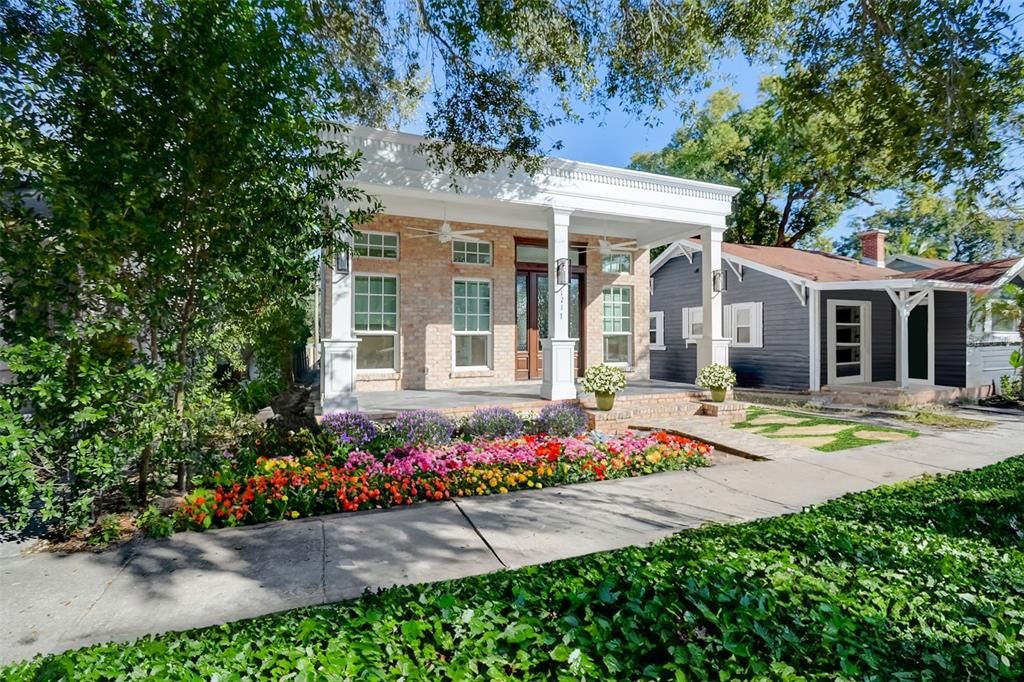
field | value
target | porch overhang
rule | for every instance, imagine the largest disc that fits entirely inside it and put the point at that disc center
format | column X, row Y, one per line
column 604, row 201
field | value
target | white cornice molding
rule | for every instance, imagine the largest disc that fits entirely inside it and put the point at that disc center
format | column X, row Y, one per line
column 403, row 151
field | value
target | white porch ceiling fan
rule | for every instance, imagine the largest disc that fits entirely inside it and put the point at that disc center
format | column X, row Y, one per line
column 607, row 248
column 445, row 234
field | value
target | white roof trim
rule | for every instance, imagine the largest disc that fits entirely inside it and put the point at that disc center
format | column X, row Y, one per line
column 926, row 263
column 1015, row 269
column 873, row 284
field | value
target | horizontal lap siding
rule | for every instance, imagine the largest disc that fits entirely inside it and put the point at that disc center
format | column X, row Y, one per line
column 883, row 332
column 950, row 338
column 676, row 286
column 783, row 361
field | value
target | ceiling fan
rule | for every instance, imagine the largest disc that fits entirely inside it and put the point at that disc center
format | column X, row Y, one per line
column 445, row 234
column 606, row 248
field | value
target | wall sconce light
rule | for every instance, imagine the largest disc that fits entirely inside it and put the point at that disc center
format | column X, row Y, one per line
column 341, row 262
column 562, row 271
column 719, row 281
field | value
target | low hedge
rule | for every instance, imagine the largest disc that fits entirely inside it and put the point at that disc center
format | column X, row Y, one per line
column 923, row 580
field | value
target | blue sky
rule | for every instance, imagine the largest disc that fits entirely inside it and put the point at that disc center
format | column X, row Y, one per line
column 612, row 137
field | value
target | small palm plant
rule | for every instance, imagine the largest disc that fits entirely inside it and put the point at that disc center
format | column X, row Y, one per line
column 1008, row 304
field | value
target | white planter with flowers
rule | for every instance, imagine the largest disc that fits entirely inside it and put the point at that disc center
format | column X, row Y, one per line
column 604, row 381
column 718, row 379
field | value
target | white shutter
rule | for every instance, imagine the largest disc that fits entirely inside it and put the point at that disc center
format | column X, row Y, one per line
column 757, row 325
column 686, row 323
column 727, row 322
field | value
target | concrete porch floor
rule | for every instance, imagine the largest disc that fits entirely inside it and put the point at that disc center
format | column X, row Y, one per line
column 522, row 395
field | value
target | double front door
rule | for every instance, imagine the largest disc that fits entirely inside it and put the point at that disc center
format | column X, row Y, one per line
column 532, row 320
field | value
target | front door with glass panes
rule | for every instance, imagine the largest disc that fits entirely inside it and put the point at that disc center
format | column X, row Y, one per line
column 849, row 342
column 532, row 320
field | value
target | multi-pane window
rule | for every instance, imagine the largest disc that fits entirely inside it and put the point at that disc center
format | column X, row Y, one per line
column 376, row 321
column 657, row 330
column 616, row 263
column 618, row 324
column 376, row 245
column 471, row 252
column 693, row 323
column 471, row 323
column 744, row 324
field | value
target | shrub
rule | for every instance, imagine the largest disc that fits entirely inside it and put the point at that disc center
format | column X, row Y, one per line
column 494, row 422
column 423, row 427
column 350, row 428
column 562, row 419
column 154, row 524
column 603, row 379
column 716, row 376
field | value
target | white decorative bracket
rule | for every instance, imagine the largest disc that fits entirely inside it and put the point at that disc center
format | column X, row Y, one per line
column 687, row 251
column 736, row 268
column 800, row 289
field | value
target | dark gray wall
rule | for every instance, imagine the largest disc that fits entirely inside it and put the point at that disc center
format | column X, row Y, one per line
column 883, row 332
column 783, row 362
column 951, row 338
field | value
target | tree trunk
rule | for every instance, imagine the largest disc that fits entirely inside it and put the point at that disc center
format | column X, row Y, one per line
column 144, row 458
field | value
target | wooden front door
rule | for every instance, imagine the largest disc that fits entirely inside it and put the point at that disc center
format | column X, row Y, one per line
column 532, row 320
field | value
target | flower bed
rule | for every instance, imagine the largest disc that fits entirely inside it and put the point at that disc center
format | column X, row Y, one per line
column 292, row 487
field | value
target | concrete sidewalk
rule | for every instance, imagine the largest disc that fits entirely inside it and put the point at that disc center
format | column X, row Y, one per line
column 51, row 602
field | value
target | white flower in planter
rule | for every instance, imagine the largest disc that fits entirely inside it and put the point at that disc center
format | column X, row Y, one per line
column 716, row 377
column 603, row 379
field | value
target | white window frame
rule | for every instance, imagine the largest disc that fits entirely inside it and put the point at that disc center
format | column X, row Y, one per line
column 628, row 334
column 996, row 334
column 756, row 311
column 490, row 252
column 398, row 244
column 489, row 334
column 377, row 332
column 865, row 342
column 657, row 325
column 607, row 258
column 689, row 318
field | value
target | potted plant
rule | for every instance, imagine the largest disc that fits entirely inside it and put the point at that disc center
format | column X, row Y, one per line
column 718, row 378
column 604, row 381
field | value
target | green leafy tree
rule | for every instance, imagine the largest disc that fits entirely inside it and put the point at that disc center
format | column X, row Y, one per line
column 165, row 175
column 796, row 177
column 924, row 223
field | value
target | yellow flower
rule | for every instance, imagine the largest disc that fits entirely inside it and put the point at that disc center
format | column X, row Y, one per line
column 295, row 514
column 502, row 490
column 284, row 498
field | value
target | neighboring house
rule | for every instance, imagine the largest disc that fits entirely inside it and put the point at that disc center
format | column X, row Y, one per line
column 503, row 277
column 990, row 340
column 908, row 263
column 806, row 320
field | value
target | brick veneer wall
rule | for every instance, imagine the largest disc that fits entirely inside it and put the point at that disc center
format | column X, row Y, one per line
column 425, row 273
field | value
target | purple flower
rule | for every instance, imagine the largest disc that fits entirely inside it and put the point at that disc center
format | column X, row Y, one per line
column 353, row 428
column 494, row 422
column 423, row 427
column 562, row 419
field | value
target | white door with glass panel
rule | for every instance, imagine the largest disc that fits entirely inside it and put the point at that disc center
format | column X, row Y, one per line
column 849, row 342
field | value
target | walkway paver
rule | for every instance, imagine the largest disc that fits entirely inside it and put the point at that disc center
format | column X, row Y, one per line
column 51, row 602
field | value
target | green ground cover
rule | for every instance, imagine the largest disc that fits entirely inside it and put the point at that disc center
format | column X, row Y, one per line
column 921, row 580
column 818, row 432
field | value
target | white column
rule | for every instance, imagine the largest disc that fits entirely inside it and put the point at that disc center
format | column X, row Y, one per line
column 712, row 346
column 559, row 378
column 338, row 359
column 902, row 344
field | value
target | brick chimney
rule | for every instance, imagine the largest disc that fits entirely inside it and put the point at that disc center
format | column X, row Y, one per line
column 872, row 247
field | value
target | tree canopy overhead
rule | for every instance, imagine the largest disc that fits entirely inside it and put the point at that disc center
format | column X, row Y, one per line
column 796, row 176
column 938, row 82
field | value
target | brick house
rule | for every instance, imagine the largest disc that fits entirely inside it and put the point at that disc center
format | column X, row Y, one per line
column 510, row 278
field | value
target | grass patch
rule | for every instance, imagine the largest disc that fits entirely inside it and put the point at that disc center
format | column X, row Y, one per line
column 921, row 581
column 944, row 420
column 841, row 440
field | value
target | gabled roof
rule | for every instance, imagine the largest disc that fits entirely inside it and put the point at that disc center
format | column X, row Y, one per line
column 919, row 260
column 826, row 270
column 816, row 266
column 992, row 273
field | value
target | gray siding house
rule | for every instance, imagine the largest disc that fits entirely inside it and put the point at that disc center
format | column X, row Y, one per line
column 804, row 320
